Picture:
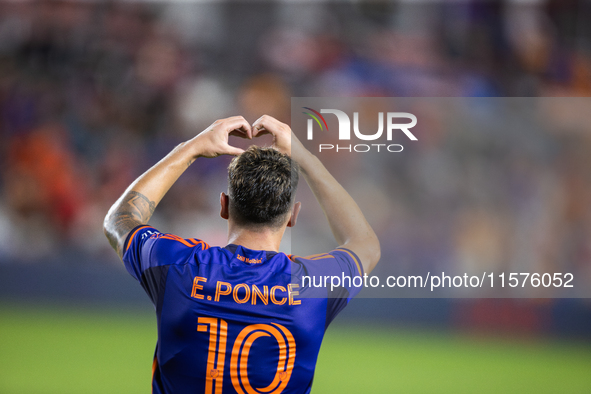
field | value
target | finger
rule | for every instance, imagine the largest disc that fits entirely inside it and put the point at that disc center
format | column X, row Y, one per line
column 259, row 130
column 241, row 133
column 247, row 130
column 238, row 123
column 267, row 124
column 231, row 150
column 260, row 122
column 258, row 127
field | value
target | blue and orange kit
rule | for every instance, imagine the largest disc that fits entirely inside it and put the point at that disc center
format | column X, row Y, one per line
column 236, row 320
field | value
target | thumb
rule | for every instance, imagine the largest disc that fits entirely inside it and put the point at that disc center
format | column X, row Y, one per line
column 231, row 150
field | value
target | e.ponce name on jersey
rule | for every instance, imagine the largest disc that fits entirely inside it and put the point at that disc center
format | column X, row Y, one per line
column 243, row 292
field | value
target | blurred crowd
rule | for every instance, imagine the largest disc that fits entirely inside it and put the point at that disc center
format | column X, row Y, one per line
column 93, row 93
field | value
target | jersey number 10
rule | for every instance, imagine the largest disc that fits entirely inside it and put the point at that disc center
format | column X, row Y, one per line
column 218, row 335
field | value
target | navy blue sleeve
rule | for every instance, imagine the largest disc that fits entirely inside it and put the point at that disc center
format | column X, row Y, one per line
column 341, row 263
column 349, row 266
column 147, row 247
column 149, row 253
column 137, row 250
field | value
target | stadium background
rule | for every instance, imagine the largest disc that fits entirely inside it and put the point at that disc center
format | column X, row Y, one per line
column 93, row 93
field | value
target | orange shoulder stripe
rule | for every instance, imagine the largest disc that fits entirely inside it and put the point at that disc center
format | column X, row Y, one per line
column 178, row 239
column 354, row 259
column 199, row 242
column 324, row 256
column 317, row 256
column 191, row 242
column 133, row 235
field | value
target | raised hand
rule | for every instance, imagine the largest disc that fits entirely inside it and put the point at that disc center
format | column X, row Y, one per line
column 213, row 141
column 283, row 138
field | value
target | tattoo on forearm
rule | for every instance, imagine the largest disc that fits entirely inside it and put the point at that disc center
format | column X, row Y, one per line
column 140, row 206
column 133, row 209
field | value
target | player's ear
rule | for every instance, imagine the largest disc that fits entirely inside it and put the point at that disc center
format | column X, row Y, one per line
column 294, row 214
column 224, row 202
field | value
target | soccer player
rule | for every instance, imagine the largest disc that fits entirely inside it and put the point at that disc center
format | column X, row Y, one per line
column 236, row 319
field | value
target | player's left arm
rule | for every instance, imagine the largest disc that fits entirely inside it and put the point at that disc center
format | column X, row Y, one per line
column 136, row 206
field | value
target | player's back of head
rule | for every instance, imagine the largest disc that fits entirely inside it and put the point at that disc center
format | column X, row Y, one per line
column 261, row 185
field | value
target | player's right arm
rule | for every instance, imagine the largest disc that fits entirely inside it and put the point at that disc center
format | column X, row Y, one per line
column 136, row 206
column 348, row 224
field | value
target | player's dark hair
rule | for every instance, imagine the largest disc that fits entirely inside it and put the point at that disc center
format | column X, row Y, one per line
column 261, row 185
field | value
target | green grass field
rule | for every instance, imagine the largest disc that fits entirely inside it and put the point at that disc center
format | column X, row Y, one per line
column 69, row 350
